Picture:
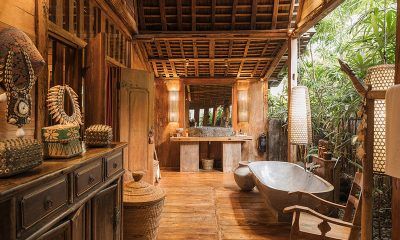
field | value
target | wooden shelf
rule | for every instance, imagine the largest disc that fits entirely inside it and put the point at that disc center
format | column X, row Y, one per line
column 212, row 139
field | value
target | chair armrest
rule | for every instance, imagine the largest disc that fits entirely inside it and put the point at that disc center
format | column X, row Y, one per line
column 323, row 201
column 298, row 209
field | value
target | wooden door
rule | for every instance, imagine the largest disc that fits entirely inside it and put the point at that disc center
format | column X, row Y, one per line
column 79, row 224
column 136, row 120
column 61, row 232
column 106, row 214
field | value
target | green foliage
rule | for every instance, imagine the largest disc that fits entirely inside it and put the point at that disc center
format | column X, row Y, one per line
column 353, row 32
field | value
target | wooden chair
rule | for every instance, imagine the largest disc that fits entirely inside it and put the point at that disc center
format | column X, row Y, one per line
column 310, row 224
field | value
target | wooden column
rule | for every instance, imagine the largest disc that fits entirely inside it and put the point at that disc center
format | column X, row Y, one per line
column 41, row 10
column 396, row 181
column 197, row 115
column 206, row 116
column 292, row 82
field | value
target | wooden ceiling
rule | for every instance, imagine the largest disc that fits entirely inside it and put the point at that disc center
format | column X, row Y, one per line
column 208, row 39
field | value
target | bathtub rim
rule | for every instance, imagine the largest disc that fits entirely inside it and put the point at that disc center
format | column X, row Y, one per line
column 329, row 185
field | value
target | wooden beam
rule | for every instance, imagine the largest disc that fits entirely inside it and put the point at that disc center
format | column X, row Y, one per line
column 276, row 61
column 275, row 14
column 169, row 52
column 315, row 16
column 211, row 55
column 194, row 17
column 201, row 35
column 213, row 7
column 41, row 31
column 253, row 14
column 61, row 34
column 196, row 63
column 291, row 12
column 179, row 14
column 232, row 59
column 234, row 5
column 142, row 17
column 209, row 81
column 162, row 15
column 246, row 49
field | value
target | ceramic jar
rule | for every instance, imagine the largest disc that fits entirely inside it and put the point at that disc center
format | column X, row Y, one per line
column 243, row 177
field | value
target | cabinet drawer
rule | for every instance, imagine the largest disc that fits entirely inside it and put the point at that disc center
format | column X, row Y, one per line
column 113, row 164
column 38, row 204
column 87, row 177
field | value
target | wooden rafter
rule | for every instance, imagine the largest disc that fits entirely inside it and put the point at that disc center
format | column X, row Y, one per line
column 291, row 12
column 169, row 53
column 179, row 14
column 201, row 35
column 162, row 15
column 253, row 14
column 213, row 7
column 274, row 64
column 142, row 16
column 234, row 6
column 231, row 59
column 246, row 49
column 211, row 55
column 196, row 63
column 275, row 14
column 194, row 17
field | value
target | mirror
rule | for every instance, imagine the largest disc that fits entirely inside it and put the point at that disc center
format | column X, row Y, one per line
column 209, row 105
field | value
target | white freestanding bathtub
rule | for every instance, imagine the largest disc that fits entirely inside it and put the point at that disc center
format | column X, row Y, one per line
column 275, row 180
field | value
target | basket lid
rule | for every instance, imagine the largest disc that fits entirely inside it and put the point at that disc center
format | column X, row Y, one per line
column 138, row 191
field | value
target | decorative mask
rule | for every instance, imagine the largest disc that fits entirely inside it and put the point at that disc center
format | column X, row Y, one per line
column 55, row 103
column 19, row 61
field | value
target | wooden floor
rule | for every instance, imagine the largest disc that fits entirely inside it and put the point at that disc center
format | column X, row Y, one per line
column 210, row 206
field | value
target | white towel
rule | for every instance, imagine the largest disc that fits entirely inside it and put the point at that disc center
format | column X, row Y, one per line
column 393, row 131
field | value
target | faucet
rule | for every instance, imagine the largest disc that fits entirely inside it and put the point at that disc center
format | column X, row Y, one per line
column 313, row 167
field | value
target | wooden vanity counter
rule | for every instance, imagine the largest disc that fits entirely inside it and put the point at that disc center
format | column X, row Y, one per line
column 190, row 147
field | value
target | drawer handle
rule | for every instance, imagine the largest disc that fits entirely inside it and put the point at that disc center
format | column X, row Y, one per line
column 91, row 179
column 115, row 165
column 48, row 203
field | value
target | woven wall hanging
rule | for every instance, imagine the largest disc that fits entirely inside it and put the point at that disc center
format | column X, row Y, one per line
column 55, row 102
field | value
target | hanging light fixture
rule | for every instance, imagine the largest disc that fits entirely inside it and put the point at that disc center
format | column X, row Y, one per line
column 380, row 78
column 300, row 117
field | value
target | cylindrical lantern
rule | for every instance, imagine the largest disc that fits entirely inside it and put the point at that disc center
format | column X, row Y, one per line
column 300, row 117
column 380, row 78
column 243, row 115
column 173, row 106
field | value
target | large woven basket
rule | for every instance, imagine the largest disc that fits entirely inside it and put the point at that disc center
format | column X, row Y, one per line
column 143, row 204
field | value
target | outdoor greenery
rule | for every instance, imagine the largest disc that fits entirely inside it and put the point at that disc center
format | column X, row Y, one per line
column 354, row 32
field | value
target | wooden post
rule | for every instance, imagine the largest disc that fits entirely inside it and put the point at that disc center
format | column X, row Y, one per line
column 41, row 28
column 292, row 82
column 368, row 175
column 396, row 181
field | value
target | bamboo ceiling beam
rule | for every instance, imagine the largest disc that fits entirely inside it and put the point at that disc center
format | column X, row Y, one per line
column 275, row 14
column 276, row 61
column 291, row 12
column 234, row 6
column 179, row 14
column 211, row 54
column 253, row 14
column 201, row 35
column 246, row 49
column 196, row 63
column 162, row 15
column 169, row 53
column 213, row 7
column 232, row 59
column 194, row 15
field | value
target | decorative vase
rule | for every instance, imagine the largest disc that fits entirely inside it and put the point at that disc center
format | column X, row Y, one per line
column 243, row 177
column 143, row 204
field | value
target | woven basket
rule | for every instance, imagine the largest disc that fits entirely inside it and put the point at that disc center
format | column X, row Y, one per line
column 98, row 135
column 207, row 163
column 61, row 141
column 19, row 155
column 143, row 204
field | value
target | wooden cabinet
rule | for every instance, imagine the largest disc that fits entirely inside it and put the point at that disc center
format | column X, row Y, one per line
column 78, row 199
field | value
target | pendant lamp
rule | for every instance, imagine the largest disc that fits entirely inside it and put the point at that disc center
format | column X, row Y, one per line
column 300, row 117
